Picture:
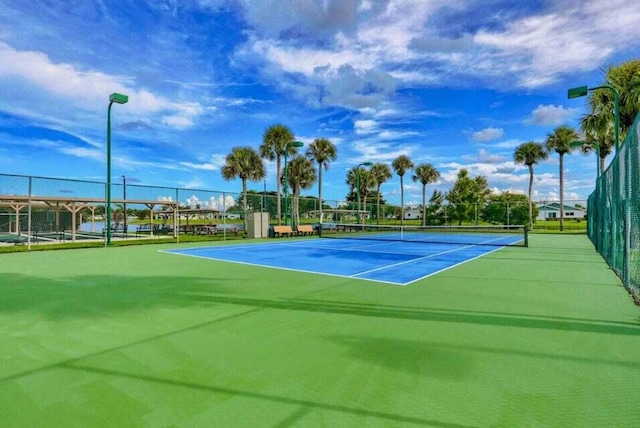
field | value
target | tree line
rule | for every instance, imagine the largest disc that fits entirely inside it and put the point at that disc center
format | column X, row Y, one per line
column 279, row 145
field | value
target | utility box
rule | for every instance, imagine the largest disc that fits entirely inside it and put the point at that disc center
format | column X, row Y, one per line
column 258, row 225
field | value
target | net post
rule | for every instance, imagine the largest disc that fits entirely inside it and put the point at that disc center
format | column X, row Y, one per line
column 526, row 235
column 29, row 219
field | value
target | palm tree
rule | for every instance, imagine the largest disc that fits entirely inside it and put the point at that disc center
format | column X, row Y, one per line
column 323, row 152
column 529, row 154
column 243, row 163
column 365, row 180
column 597, row 128
column 559, row 141
column 598, row 124
column 380, row 173
column 301, row 175
column 425, row 173
column 400, row 165
column 276, row 141
column 626, row 79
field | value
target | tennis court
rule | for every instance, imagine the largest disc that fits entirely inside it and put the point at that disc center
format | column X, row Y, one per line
column 393, row 262
column 134, row 336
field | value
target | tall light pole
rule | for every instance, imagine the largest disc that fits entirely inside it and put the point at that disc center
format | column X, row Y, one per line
column 124, row 203
column 286, row 175
column 119, row 99
column 582, row 91
column 358, row 185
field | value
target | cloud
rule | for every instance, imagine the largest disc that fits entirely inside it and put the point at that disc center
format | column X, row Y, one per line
column 134, row 125
column 213, row 164
column 396, row 135
column 507, row 144
column 54, row 83
column 82, row 152
column 486, row 157
column 505, row 170
column 364, row 127
column 568, row 38
column 350, row 47
column 550, row 115
column 378, row 152
column 488, row 134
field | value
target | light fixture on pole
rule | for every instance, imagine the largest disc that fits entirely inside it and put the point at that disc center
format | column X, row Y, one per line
column 119, row 99
column 286, row 175
column 582, row 91
column 358, row 186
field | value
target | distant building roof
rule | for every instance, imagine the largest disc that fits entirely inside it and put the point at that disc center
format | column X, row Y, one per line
column 555, row 206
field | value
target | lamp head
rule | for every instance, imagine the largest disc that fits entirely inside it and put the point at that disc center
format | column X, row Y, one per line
column 580, row 91
column 118, row 98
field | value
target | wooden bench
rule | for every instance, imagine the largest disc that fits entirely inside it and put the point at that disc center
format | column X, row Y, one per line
column 305, row 229
column 279, row 231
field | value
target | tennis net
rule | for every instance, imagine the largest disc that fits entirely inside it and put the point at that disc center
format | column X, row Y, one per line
column 512, row 235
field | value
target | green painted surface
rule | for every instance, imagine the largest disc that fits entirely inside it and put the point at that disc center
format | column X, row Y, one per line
column 539, row 336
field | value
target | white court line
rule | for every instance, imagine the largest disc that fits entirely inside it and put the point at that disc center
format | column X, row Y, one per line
column 452, row 266
column 413, row 260
column 281, row 268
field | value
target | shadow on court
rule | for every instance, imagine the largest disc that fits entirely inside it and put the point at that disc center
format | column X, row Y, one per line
column 454, row 316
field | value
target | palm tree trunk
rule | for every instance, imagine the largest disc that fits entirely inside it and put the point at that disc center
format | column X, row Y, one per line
column 378, row 206
column 401, row 202
column 561, row 192
column 296, row 209
column 424, row 207
column 530, row 195
column 319, row 190
column 278, row 185
column 244, row 204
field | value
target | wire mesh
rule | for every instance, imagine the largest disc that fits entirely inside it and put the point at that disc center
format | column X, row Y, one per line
column 613, row 212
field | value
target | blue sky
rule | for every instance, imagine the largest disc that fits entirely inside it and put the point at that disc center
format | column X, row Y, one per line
column 458, row 84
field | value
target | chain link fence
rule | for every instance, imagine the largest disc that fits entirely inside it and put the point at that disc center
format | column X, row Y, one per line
column 614, row 207
column 45, row 210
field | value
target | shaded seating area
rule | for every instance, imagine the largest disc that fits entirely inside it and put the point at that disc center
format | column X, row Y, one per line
column 153, row 229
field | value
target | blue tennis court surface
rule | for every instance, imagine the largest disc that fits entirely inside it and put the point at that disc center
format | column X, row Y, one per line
column 399, row 263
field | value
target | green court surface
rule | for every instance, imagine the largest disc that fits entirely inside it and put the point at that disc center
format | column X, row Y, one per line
column 131, row 336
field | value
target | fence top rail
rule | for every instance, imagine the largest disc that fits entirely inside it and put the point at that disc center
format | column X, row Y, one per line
column 37, row 177
column 15, row 198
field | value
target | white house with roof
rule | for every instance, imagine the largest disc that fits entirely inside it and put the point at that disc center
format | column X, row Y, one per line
column 551, row 211
column 412, row 213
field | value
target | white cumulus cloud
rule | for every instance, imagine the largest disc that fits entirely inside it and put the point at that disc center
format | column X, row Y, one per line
column 488, row 134
column 551, row 115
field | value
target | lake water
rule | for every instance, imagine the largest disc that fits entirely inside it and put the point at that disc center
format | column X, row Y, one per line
column 131, row 228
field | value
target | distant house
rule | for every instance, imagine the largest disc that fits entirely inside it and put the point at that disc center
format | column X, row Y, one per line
column 552, row 211
column 412, row 214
